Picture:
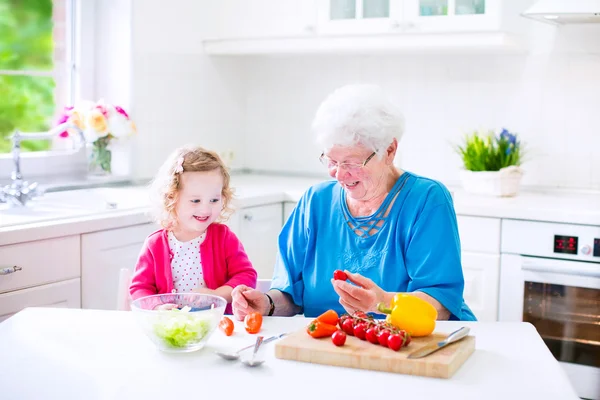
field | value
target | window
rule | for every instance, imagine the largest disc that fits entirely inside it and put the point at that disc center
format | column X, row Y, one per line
column 36, row 69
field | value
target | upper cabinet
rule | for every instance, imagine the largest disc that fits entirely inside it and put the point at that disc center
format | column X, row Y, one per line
column 408, row 16
column 346, row 26
column 356, row 17
column 261, row 19
column 453, row 15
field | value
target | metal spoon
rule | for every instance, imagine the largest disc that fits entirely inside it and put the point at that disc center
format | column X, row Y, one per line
column 253, row 362
column 236, row 355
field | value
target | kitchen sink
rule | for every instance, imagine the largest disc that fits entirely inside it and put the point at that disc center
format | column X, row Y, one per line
column 75, row 203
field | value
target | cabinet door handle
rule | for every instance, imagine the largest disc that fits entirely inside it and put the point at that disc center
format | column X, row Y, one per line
column 248, row 217
column 9, row 270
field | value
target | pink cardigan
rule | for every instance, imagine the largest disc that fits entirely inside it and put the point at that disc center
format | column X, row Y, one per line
column 224, row 262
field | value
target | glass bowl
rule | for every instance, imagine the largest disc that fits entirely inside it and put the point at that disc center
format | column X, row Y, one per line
column 183, row 329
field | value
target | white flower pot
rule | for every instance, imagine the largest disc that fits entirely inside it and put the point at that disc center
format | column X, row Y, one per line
column 503, row 183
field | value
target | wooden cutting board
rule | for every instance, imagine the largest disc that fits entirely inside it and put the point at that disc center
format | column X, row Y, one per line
column 356, row 353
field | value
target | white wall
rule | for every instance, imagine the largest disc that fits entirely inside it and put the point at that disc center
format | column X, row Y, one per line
column 551, row 97
column 179, row 95
column 261, row 107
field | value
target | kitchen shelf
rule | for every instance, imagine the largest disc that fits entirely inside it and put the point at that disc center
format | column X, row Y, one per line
column 493, row 42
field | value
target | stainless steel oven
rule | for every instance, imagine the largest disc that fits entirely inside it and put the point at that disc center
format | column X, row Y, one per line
column 550, row 277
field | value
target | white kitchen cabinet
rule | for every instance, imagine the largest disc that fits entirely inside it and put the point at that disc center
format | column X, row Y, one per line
column 368, row 26
column 39, row 262
column 357, row 17
column 417, row 16
column 480, row 243
column 482, row 278
column 103, row 254
column 46, row 273
column 258, row 19
column 258, row 231
column 66, row 294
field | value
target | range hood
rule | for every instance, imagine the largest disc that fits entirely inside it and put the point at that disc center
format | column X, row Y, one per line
column 565, row 11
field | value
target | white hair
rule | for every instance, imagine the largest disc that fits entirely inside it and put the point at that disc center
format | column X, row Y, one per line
column 358, row 114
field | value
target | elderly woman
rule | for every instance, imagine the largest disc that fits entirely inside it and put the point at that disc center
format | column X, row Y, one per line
column 392, row 231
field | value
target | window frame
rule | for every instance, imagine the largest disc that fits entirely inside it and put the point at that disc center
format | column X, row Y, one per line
column 63, row 164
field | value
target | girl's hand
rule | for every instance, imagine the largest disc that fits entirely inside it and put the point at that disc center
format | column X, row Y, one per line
column 166, row 307
column 203, row 291
column 246, row 300
column 364, row 295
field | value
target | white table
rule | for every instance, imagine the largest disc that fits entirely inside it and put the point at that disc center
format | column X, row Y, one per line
column 58, row 353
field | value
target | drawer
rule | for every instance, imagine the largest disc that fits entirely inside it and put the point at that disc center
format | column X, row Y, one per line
column 41, row 262
column 65, row 294
column 479, row 234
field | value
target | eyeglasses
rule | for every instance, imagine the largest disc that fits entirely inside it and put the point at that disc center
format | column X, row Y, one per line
column 330, row 164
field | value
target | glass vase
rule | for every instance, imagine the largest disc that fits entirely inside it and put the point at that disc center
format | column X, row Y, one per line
column 99, row 157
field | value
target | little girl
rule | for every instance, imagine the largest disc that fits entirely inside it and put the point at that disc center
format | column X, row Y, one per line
column 193, row 251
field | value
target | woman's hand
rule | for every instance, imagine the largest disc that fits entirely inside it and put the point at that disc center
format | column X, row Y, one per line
column 246, row 300
column 364, row 295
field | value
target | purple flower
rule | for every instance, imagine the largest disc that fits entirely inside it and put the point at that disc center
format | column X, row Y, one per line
column 509, row 137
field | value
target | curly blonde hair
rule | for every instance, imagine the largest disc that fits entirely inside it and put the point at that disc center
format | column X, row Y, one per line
column 166, row 185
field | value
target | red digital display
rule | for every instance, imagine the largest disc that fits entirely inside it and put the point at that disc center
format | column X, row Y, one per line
column 565, row 244
column 596, row 247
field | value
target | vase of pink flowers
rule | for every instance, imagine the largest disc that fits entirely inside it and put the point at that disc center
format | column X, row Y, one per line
column 102, row 125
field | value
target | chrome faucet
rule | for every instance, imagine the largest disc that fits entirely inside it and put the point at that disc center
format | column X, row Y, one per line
column 19, row 192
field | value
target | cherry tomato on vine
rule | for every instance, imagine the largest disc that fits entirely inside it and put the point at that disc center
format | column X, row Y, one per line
column 339, row 275
column 360, row 331
column 348, row 326
column 226, row 326
column 338, row 338
column 394, row 342
column 382, row 338
column 371, row 335
column 253, row 322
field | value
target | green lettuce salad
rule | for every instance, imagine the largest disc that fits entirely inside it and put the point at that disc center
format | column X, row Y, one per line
column 181, row 329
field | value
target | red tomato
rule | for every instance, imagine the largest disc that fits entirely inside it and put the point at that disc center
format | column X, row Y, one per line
column 226, row 326
column 403, row 336
column 348, row 326
column 394, row 342
column 339, row 275
column 382, row 338
column 338, row 338
column 371, row 335
column 360, row 331
column 253, row 322
column 407, row 340
column 343, row 317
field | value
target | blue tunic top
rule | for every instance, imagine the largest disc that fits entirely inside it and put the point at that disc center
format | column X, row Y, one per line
column 410, row 243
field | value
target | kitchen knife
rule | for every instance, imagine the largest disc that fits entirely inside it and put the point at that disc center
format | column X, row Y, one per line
column 430, row 348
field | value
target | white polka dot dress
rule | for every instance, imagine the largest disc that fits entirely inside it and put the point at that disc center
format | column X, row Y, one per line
column 186, row 265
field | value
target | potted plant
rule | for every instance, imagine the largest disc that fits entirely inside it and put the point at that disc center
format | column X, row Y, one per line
column 491, row 163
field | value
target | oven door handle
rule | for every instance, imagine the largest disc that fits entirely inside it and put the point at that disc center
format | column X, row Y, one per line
column 591, row 270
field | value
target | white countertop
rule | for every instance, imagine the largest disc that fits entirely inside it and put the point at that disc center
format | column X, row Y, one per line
column 91, row 354
column 82, row 211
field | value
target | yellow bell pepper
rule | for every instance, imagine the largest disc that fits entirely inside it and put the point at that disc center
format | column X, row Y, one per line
column 410, row 313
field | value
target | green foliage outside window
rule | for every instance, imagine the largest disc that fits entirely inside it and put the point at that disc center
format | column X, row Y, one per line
column 26, row 44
